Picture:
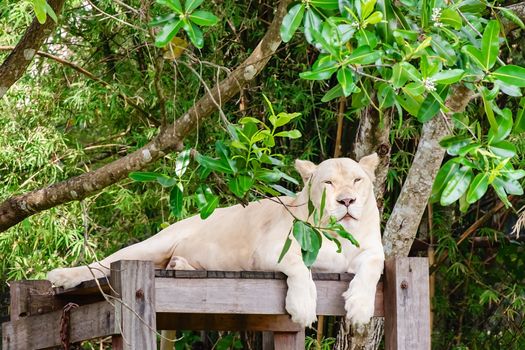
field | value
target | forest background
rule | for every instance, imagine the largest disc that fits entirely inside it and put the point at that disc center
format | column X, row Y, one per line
column 93, row 85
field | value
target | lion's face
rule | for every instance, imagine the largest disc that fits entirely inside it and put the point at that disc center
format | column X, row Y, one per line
column 348, row 186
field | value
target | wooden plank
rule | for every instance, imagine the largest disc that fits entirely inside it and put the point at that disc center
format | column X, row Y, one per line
column 133, row 284
column 289, row 340
column 43, row 331
column 245, row 296
column 225, row 322
column 32, row 297
column 407, row 304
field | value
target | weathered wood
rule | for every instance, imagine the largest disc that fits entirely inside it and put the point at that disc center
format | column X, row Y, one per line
column 245, row 296
column 32, row 297
column 288, row 340
column 407, row 304
column 133, row 284
column 43, row 331
column 225, row 322
column 267, row 341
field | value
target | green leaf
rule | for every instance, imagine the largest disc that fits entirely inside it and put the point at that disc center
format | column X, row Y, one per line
column 39, row 6
column 204, row 18
column 312, row 24
column 444, row 49
column 519, row 125
column 172, row 4
column 182, row 161
column 191, row 5
column 325, row 4
column 283, row 118
column 291, row 134
column 305, row 236
column 511, row 16
column 448, row 77
column 512, row 186
column 490, row 44
column 320, row 73
column 374, row 18
column 166, row 181
column 499, row 188
column 503, row 127
column 241, row 184
column 385, row 95
column 143, row 176
column 163, row 19
column 194, row 33
column 209, row 208
column 367, row 7
column 285, row 249
column 343, row 233
column 365, row 37
column 510, row 74
column 291, row 22
column 346, row 80
column 451, row 17
column 503, row 149
column 51, row 12
column 167, row 33
column 455, row 140
column 282, row 190
column 176, row 197
column 335, row 92
column 363, row 55
column 387, row 27
column 478, row 187
column 457, row 186
column 214, row 164
column 430, row 106
column 443, row 177
column 476, row 56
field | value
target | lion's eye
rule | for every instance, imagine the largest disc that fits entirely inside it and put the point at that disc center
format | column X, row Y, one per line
column 328, row 182
column 356, row 180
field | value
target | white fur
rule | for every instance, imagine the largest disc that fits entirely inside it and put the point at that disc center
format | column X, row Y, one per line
column 251, row 238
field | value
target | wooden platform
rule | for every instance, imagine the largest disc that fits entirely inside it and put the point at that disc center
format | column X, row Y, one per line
column 142, row 300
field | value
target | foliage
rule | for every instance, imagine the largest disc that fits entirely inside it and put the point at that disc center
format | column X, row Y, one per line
column 57, row 123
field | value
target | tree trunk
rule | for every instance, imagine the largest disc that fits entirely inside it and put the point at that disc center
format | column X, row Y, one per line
column 401, row 228
column 372, row 136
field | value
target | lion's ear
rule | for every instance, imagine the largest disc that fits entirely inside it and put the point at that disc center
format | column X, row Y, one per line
column 369, row 164
column 305, row 169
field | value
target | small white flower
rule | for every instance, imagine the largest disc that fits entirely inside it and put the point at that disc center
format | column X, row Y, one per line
column 436, row 15
column 429, row 84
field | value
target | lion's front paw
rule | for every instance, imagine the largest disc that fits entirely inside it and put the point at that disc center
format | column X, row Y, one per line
column 301, row 305
column 359, row 304
column 67, row 277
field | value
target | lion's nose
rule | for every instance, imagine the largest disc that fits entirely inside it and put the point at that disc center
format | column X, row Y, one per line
column 346, row 201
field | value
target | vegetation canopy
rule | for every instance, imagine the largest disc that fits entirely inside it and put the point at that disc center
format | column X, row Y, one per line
column 121, row 117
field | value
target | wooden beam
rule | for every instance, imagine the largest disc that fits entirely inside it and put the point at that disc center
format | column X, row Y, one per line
column 43, row 331
column 133, row 284
column 407, row 304
column 32, row 297
column 225, row 322
column 245, row 296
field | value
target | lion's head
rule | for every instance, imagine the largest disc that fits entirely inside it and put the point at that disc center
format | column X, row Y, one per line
column 348, row 185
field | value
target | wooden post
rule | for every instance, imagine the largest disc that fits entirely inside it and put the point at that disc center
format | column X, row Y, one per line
column 133, row 283
column 289, row 340
column 407, row 304
column 31, row 297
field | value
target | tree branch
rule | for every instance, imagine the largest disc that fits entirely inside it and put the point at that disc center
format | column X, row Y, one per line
column 17, row 208
column 401, row 228
column 19, row 59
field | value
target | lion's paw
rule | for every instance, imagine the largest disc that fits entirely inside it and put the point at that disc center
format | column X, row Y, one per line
column 359, row 305
column 301, row 305
column 66, row 277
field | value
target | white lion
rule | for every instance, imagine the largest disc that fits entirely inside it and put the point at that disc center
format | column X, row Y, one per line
column 251, row 238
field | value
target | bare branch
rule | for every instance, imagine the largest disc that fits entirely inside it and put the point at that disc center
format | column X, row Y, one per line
column 17, row 208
